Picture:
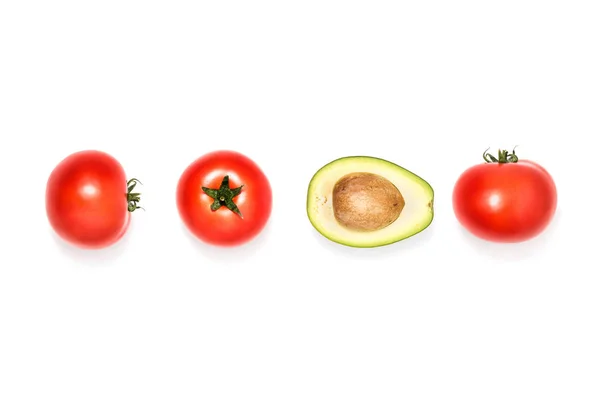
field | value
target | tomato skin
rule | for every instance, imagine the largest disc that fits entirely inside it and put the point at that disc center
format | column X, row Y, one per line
column 505, row 202
column 86, row 200
column 224, row 227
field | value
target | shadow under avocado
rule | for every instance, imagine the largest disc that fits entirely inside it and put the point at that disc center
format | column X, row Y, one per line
column 514, row 252
column 374, row 253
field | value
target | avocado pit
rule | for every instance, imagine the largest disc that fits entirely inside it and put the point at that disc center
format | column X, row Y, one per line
column 366, row 202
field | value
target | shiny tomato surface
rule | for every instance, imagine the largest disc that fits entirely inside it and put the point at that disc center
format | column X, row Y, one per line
column 224, row 198
column 88, row 201
column 508, row 201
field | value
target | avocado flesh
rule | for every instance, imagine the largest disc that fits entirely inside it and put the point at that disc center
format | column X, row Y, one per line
column 415, row 217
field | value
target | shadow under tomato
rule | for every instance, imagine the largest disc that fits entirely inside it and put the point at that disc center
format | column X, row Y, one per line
column 241, row 254
column 92, row 257
column 376, row 253
column 513, row 252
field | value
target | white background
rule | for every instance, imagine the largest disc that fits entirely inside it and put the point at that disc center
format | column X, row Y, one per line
column 428, row 85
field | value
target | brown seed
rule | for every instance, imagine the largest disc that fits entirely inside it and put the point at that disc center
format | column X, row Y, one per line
column 366, row 202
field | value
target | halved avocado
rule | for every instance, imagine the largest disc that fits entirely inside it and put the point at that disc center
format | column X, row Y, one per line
column 365, row 201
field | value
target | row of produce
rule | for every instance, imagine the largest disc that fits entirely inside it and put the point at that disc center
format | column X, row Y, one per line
column 225, row 199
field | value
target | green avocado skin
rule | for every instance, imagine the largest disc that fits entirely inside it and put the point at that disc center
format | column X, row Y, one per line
column 417, row 215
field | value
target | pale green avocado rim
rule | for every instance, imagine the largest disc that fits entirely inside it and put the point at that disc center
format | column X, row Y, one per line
column 384, row 243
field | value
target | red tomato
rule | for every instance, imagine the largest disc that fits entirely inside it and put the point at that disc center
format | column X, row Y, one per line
column 505, row 199
column 224, row 198
column 89, row 200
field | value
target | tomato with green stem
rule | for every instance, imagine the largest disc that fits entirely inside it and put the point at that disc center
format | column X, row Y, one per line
column 224, row 198
column 505, row 199
column 89, row 200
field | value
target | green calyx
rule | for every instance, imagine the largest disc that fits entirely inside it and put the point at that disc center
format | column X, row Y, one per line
column 132, row 198
column 504, row 157
column 223, row 196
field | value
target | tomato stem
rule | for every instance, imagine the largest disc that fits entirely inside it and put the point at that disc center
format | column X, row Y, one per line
column 223, row 196
column 504, row 157
column 132, row 198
